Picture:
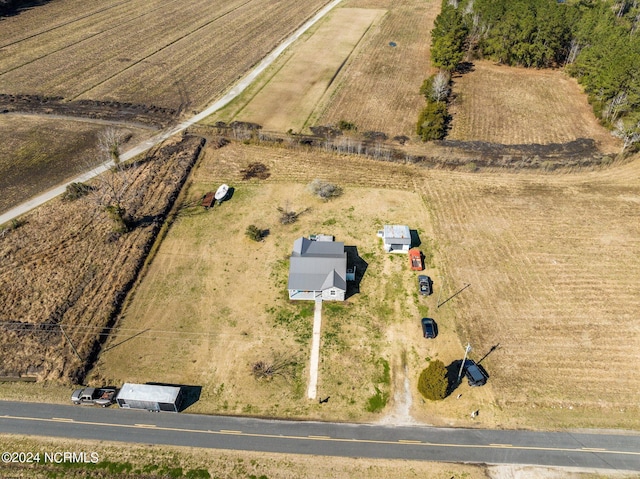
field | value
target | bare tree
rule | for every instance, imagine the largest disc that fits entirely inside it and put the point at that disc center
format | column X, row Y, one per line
column 616, row 106
column 109, row 142
column 635, row 23
column 113, row 189
column 620, row 8
column 281, row 365
column 574, row 50
column 468, row 9
column 324, row 189
column 440, row 88
column 287, row 215
column 629, row 135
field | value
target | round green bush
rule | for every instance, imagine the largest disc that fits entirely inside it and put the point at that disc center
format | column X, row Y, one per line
column 433, row 383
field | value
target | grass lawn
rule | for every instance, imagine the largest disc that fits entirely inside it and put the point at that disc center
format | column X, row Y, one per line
column 214, row 302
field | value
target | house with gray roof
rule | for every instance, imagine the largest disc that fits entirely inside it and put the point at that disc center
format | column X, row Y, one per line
column 318, row 269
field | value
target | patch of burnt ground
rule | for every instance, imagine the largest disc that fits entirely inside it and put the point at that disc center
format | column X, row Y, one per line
column 149, row 115
column 255, row 170
column 9, row 8
column 582, row 151
column 447, row 154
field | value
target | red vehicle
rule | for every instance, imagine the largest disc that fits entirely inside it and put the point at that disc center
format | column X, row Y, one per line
column 415, row 259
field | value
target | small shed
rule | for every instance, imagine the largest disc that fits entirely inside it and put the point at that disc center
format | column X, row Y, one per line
column 396, row 238
column 151, row 397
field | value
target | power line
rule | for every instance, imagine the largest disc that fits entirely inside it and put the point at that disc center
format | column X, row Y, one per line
column 114, row 331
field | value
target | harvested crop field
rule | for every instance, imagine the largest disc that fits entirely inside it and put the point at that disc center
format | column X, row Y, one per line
column 553, row 263
column 550, row 260
column 127, row 51
column 291, row 94
column 42, row 152
column 509, row 105
column 65, row 272
column 377, row 89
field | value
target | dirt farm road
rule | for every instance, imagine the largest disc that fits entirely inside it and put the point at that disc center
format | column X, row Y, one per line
column 236, row 90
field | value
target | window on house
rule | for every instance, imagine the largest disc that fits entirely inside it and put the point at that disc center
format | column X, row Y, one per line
column 333, row 292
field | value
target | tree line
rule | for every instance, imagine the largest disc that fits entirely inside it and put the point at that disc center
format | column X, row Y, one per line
column 596, row 41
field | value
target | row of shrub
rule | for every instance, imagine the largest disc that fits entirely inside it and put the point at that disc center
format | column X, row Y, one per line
column 434, row 118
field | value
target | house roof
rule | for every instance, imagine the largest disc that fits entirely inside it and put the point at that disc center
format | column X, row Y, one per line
column 306, row 247
column 397, row 233
column 317, row 265
column 148, row 392
column 334, row 280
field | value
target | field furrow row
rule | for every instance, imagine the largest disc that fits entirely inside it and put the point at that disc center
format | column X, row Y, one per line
column 397, row 48
column 78, row 33
column 177, row 64
column 553, row 280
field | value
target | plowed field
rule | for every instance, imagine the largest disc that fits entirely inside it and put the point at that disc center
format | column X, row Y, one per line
column 167, row 53
column 553, row 264
column 377, row 89
column 292, row 93
column 42, row 152
column 509, row 105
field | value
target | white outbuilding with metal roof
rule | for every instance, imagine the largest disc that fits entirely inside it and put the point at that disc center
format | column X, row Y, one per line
column 152, row 397
column 396, row 238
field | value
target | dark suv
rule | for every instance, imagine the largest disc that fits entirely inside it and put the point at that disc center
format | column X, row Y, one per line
column 424, row 285
column 429, row 328
column 476, row 375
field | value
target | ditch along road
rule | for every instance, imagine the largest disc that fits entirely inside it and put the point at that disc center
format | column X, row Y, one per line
column 145, row 146
column 612, row 452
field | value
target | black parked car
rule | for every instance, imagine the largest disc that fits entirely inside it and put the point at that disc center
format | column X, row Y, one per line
column 424, row 285
column 476, row 375
column 429, row 328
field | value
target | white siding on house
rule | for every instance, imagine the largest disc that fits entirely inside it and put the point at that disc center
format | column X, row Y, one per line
column 333, row 294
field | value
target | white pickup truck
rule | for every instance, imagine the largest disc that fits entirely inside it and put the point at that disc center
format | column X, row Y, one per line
column 89, row 396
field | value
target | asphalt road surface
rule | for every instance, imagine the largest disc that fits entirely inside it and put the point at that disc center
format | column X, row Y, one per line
column 569, row 449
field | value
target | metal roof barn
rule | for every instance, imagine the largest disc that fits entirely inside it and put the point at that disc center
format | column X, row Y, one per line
column 151, row 397
column 396, row 238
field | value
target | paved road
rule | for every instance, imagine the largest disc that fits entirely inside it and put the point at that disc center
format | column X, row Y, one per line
column 602, row 451
column 236, row 90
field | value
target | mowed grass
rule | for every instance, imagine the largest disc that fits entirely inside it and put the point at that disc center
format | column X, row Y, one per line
column 378, row 88
column 510, row 105
column 213, row 302
column 291, row 94
column 41, row 153
column 551, row 262
column 127, row 51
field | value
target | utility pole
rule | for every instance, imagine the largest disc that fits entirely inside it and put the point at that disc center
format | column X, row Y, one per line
column 70, row 343
column 466, row 351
